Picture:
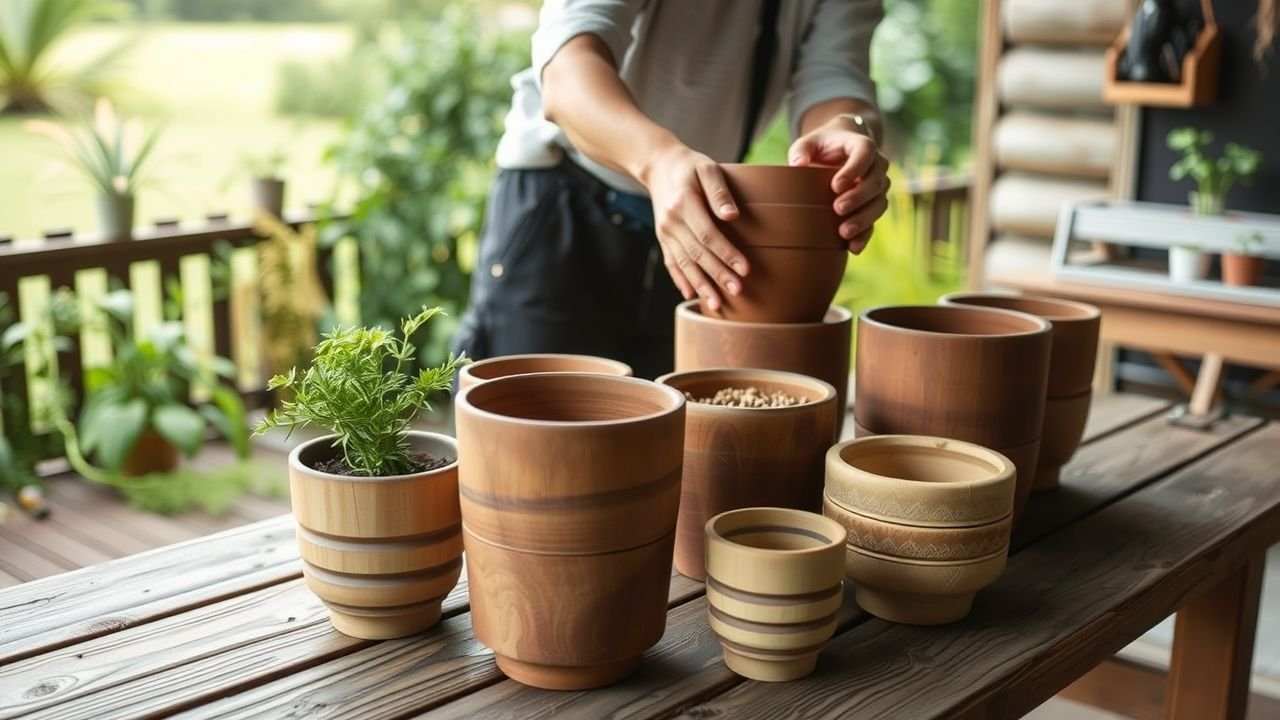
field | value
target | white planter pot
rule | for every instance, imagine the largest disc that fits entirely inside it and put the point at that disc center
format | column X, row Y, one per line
column 1187, row 264
column 115, row 216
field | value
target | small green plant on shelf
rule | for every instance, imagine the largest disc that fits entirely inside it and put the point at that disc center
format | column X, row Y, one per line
column 1214, row 177
column 1248, row 243
column 360, row 388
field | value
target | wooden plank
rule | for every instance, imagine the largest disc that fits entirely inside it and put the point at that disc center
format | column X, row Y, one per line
column 91, row 529
column 1213, row 649
column 66, row 550
column 1137, row 691
column 155, row 530
column 986, row 108
column 1112, row 467
column 1176, row 370
column 73, row 607
column 1116, row 411
column 27, row 564
column 1063, row 605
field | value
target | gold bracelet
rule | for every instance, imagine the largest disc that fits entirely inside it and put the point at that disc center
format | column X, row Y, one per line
column 860, row 124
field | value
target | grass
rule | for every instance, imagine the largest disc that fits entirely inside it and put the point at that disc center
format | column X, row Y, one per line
column 213, row 87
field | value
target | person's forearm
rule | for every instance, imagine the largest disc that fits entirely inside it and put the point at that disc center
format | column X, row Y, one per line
column 823, row 112
column 583, row 95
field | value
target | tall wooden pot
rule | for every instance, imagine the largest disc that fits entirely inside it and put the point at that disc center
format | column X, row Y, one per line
column 737, row 457
column 505, row 365
column 967, row 373
column 819, row 350
column 381, row 552
column 570, row 486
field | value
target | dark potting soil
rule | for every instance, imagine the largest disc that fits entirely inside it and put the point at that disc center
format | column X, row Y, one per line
column 422, row 462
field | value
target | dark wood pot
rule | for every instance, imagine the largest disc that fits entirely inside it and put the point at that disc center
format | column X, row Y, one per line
column 817, row 349
column 1242, row 270
column 972, row 374
column 748, row 457
column 570, row 485
column 780, row 184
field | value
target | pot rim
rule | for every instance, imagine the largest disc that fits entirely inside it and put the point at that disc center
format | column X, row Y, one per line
column 1087, row 312
column 687, row 310
column 295, row 461
column 616, row 365
column 1003, row 467
column 463, row 401
column 780, row 166
column 1042, row 326
column 783, row 518
column 779, row 376
column 968, row 562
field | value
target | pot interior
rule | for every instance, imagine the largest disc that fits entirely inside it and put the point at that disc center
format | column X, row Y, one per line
column 706, row 383
column 953, row 320
column 777, row 529
column 919, row 464
column 523, row 364
column 322, row 449
column 1047, row 308
column 573, row 398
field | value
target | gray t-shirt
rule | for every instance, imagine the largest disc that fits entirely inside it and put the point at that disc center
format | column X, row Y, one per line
column 687, row 63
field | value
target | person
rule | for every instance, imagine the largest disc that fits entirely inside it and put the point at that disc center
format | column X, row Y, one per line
column 608, row 166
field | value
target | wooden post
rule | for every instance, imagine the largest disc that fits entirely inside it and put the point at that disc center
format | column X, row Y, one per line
column 1213, row 649
column 1207, row 381
column 986, row 107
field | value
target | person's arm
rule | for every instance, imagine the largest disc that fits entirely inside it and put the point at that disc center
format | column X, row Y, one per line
column 583, row 95
column 832, row 79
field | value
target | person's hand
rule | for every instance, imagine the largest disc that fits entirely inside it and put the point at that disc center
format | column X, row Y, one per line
column 686, row 188
column 860, row 185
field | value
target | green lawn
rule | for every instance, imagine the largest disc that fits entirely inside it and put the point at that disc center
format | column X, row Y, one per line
column 213, row 87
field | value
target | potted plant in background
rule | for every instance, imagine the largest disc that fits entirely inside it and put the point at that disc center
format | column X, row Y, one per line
column 379, row 523
column 266, row 188
column 112, row 152
column 136, row 418
column 1244, row 268
column 1214, row 178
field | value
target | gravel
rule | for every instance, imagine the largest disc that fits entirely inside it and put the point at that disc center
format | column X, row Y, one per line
column 749, row 397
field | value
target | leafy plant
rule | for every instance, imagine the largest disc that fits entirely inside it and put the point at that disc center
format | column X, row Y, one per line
column 292, row 296
column 420, row 159
column 1214, row 176
column 359, row 387
column 268, row 165
column 30, row 32
column 145, row 387
column 1247, row 242
column 112, row 152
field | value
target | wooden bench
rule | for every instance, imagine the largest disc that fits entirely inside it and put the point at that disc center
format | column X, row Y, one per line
column 1151, row 519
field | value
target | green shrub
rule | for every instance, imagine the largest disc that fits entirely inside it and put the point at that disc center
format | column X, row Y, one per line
column 336, row 87
column 421, row 159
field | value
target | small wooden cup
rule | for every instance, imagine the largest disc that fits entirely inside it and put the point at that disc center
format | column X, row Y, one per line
column 773, row 588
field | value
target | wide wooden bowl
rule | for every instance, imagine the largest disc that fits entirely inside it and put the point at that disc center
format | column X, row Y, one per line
column 381, row 552
column 773, row 589
column 745, row 457
column 503, row 366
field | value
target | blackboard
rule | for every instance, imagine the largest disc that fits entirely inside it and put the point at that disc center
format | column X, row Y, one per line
column 1247, row 111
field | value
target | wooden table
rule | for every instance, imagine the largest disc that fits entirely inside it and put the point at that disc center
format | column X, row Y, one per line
column 1151, row 518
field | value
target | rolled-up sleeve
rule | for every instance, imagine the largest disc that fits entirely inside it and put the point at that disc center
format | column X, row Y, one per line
column 563, row 20
column 834, row 57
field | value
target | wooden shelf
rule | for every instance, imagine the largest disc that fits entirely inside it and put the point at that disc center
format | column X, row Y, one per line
column 1200, row 69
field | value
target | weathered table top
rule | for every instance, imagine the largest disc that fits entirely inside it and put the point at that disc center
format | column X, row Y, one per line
column 1150, row 517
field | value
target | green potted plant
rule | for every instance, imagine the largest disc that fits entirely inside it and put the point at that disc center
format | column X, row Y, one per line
column 135, row 418
column 379, row 523
column 1214, row 178
column 266, row 173
column 112, row 152
column 1244, row 267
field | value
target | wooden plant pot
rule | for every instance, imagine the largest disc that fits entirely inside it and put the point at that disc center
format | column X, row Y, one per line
column 919, row 592
column 1073, row 356
column 915, row 542
column 1242, row 270
column 818, row 349
column 781, row 184
column 974, row 374
column 151, row 454
column 381, row 552
column 570, row 486
column 746, row 457
column 773, row 589
column 506, row 365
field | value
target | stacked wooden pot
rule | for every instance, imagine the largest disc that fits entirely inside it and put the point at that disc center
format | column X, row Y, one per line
column 928, row 522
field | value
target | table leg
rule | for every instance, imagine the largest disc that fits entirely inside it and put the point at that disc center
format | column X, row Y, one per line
column 1213, row 649
column 1207, row 382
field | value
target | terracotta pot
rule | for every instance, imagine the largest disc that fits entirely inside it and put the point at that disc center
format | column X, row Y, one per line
column 1064, row 423
column 809, row 185
column 819, row 349
column 921, row 481
column 745, row 457
column 973, row 374
column 1242, row 270
column 381, row 552
column 503, row 366
column 786, row 285
column 579, row 470
column 773, row 589
column 916, row 542
column 919, row 592
column 150, row 454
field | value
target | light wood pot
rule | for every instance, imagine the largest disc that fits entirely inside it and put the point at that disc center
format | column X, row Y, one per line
column 746, row 457
column 570, row 485
column 818, row 349
column 773, row 589
column 1073, row 356
column 381, row 552
column 919, row 592
column 974, row 374
column 503, row 366
column 915, row 542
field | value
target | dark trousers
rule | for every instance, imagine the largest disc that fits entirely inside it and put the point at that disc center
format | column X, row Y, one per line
column 560, row 270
